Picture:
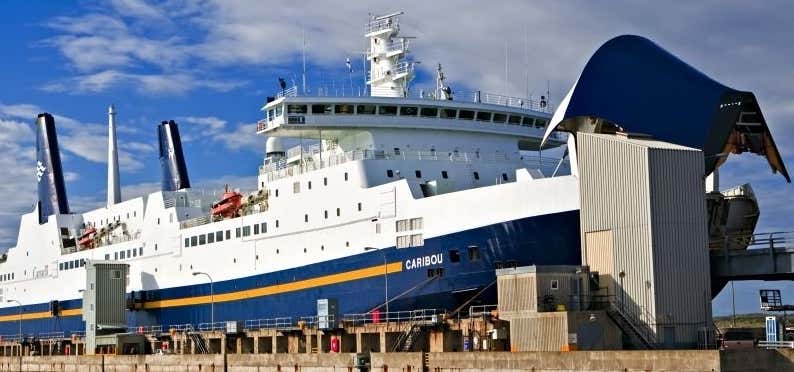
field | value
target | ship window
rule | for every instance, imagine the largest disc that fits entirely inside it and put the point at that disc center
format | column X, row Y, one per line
column 211, row 238
column 499, row 118
column 428, row 112
column 366, row 110
column 237, row 232
column 296, row 187
column 359, row 207
column 476, row 175
column 344, row 109
column 187, row 242
column 219, row 236
column 408, row 111
column 483, row 116
column 325, row 181
column 527, row 121
column 321, row 109
column 389, row 173
column 325, row 213
column 474, row 253
column 387, row 110
column 256, row 229
column 264, row 227
column 309, row 184
column 504, row 176
column 279, row 110
column 296, row 109
column 454, row 255
column 277, row 224
column 345, row 176
column 134, row 253
column 305, row 218
column 60, row 266
column 193, row 241
column 246, row 230
column 228, row 234
column 555, row 284
column 396, row 151
column 202, row 239
column 449, row 113
column 444, row 174
column 418, row 173
column 466, row 115
column 115, row 255
column 121, row 256
column 514, row 119
column 140, row 250
column 540, row 123
column 270, row 114
column 338, row 213
column 277, row 193
column 107, row 257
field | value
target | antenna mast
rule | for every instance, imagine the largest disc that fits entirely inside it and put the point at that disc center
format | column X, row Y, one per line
column 390, row 71
column 303, row 77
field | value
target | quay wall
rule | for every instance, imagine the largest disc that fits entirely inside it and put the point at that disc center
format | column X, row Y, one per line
column 667, row 360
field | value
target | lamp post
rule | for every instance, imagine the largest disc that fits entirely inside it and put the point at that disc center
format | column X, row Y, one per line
column 385, row 277
column 212, row 299
column 20, row 331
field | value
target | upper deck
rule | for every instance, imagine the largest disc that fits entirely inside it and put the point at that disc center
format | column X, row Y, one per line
column 292, row 116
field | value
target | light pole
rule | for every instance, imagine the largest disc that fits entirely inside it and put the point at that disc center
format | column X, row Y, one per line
column 385, row 276
column 212, row 300
column 20, row 331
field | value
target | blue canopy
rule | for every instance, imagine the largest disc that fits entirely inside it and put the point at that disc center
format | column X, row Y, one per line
column 631, row 84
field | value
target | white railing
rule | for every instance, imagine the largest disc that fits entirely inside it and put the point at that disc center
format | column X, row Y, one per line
column 381, row 24
column 403, row 67
column 289, row 92
column 217, row 326
column 428, row 316
column 193, row 222
column 776, row 344
column 269, row 323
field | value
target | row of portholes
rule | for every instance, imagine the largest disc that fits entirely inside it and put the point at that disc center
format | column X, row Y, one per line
column 296, row 185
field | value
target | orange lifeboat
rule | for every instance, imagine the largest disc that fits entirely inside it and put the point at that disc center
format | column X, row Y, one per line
column 87, row 239
column 229, row 205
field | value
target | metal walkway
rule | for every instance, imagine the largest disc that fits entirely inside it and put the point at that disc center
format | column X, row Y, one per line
column 769, row 256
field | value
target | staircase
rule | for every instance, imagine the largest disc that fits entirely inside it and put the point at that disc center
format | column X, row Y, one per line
column 195, row 338
column 640, row 336
column 407, row 339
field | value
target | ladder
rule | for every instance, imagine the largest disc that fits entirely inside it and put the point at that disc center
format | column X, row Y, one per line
column 195, row 338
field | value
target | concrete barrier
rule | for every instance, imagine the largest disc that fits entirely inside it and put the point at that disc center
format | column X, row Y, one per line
column 667, row 360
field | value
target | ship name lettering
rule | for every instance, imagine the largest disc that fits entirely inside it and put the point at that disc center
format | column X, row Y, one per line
column 420, row 262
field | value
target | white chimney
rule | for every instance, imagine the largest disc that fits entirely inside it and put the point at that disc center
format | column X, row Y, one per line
column 114, row 190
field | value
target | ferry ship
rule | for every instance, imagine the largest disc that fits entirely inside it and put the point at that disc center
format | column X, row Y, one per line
column 404, row 199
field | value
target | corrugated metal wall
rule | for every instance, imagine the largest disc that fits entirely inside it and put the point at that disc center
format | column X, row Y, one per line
column 650, row 195
column 539, row 332
column 517, row 292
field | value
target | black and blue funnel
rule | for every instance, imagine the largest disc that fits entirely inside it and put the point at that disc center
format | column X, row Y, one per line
column 51, row 187
column 172, row 161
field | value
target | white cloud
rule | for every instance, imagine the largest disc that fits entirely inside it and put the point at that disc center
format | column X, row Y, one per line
column 160, row 84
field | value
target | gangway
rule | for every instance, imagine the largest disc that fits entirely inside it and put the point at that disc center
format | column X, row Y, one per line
column 769, row 256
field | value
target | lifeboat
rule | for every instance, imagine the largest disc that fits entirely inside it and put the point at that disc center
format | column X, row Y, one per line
column 87, row 239
column 229, row 205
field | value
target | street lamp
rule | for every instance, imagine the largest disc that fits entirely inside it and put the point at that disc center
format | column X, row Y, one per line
column 212, row 299
column 20, row 331
column 385, row 276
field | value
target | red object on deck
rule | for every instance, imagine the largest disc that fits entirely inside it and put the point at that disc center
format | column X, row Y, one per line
column 229, row 205
column 376, row 316
column 87, row 239
column 335, row 344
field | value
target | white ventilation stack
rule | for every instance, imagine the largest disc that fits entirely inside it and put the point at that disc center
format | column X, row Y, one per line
column 114, row 190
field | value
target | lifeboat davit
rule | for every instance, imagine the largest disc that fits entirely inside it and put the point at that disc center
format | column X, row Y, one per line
column 229, row 205
column 87, row 239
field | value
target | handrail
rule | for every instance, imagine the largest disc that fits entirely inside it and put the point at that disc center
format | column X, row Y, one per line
column 776, row 344
column 421, row 315
column 269, row 323
column 773, row 240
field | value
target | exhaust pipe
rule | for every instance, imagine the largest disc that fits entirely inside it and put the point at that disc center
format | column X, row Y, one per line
column 49, row 173
column 172, row 161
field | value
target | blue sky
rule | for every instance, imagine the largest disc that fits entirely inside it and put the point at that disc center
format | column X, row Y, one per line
column 209, row 65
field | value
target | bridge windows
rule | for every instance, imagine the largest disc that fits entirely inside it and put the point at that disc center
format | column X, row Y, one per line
column 387, row 110
column 408, row 111
column 527, row 121
column 321, row 109
column 296, row 109
column 499, row 118
column 449, row 113
column 466, row 115
column 343, row 110
column 514, row 119
column 428, row 112
column 483, row 116
column 366, row 109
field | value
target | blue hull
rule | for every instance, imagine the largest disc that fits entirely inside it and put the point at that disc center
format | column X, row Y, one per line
column 543, row 240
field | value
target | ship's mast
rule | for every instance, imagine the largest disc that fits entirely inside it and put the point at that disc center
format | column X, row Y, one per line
column 114, row 190
column 390, row 72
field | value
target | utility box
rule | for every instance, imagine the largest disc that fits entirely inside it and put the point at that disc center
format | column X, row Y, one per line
column 327, row 313
column 542, row 289
column 234, row 326
column 104, row 300
column 644, row 230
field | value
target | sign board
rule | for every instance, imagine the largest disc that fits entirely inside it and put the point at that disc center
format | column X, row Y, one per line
column 572, row 339
column 770, row 299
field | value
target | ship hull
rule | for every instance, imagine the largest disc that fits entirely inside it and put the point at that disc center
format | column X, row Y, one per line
column 419, row 277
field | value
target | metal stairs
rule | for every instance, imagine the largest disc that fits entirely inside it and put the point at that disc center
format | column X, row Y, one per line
column 407, row 338
column 195, row 338
column 640, row 337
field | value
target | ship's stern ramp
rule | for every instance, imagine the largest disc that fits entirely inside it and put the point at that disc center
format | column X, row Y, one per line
column 631, row 84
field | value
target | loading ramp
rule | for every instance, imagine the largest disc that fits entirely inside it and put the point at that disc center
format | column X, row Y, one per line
column 769, row 256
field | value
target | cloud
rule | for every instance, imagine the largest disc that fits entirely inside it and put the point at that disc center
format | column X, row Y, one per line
column 160, row 84
column 241, row 137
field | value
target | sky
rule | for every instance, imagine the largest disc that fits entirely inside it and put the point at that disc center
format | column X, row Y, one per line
column 209, row 65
